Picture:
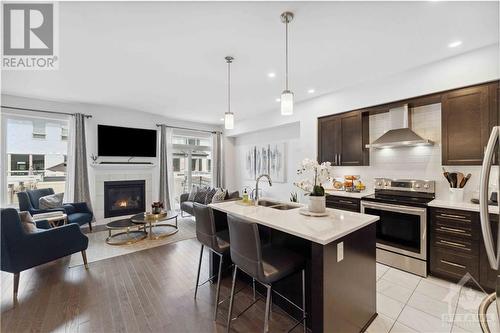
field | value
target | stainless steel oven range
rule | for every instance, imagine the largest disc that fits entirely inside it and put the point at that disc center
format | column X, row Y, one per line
column 401, row 205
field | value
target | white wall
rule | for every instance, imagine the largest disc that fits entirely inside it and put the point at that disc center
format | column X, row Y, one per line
column 290, row 134
column 108, row 115
column 466, row 69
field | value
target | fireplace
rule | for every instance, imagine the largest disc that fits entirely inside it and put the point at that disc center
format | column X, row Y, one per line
column 124, row 197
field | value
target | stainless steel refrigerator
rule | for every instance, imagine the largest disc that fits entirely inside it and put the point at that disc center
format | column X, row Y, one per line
column 492, row 245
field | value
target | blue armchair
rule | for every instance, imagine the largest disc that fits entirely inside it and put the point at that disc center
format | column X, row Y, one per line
column 21, row 250
column 78, row 212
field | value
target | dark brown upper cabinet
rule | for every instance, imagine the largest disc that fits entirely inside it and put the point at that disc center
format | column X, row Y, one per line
column 468, row 115
column 342, row 139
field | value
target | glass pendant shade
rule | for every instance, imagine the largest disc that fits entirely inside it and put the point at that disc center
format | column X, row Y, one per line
column 229, row 120
column 287, row 103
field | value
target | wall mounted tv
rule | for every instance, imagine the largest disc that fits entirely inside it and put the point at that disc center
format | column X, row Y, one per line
column 125, row 141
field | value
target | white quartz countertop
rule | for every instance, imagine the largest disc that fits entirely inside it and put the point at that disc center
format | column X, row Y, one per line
column 322, row 230
column 357, row 195
column 469, row 206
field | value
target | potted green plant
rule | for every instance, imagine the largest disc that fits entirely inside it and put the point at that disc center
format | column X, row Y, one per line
column 320, row 173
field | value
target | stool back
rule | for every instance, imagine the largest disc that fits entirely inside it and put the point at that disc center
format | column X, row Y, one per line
column 205, row 225
column 245, row 246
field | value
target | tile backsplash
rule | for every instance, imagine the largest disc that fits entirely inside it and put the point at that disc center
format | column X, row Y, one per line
column 422, row 162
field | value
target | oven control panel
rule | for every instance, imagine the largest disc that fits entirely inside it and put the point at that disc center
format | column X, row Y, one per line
column 413, row 185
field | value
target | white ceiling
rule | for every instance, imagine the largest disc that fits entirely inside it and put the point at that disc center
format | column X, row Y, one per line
column 168, row 58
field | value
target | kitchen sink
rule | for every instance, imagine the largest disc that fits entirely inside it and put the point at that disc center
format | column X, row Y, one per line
column 276, row 205
column 283, row 207
column 267, row 203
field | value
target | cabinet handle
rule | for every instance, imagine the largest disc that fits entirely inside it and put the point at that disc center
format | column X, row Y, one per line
column 340, row 158
column 346, row 202
column 452, row 264
column 454, row 216
column 460, row 231
column 454, row 244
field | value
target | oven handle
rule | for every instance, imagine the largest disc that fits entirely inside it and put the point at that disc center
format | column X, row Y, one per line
column 397, row 208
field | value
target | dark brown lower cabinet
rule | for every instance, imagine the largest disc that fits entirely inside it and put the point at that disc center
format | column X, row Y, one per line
column 344, row 203
column 456, row 247
column 487, row 276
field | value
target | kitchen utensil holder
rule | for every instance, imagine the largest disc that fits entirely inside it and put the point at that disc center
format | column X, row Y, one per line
column 456, row 194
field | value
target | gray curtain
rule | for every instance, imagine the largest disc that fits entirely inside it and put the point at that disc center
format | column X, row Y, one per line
column 81, row 176
column 164, row 194
column 218, row 160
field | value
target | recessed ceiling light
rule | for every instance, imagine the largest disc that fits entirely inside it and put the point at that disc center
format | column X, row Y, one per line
column 271, row 75
column 221, row 119
column 311, row 91
column 278, row 99
column 455, row 43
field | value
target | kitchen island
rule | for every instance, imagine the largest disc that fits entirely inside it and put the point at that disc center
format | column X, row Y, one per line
column 340, row 269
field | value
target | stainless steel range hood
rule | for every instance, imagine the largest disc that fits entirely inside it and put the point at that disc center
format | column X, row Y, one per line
column 400, row 135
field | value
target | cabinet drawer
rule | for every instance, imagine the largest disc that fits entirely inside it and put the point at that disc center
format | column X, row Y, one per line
column 453, row 265
column 453, row 215
column 349, row 204
column 462, row 245
column 455, row 223
column 451, row 229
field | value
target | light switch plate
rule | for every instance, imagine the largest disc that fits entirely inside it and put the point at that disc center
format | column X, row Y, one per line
column 340, row 251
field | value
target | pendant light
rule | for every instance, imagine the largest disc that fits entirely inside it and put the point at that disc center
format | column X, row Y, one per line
column 286, row 95
column 229, row 116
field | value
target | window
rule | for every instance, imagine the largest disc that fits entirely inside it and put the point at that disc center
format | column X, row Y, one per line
column 64, row 133
column 39, row 129
column 35, row 154
column 19, row 164
column 38, row 163
column 177, row 164
column 192, row 154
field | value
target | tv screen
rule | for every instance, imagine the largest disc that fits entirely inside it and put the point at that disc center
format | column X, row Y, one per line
column 125, row 141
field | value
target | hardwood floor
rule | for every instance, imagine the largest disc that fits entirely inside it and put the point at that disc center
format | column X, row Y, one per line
column 145, row 291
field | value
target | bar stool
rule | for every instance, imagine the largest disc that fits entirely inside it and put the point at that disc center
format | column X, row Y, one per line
column 216, row 242
column 266, row 264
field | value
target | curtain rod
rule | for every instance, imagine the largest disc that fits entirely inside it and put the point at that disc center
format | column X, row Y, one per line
column 189, row 129
column 45, row 111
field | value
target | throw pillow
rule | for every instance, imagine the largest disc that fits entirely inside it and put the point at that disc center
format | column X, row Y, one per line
column 51, row 201
column 220, row 195
column 27, row 223
column 192, row 194
column 200, row 196
column 210, row 195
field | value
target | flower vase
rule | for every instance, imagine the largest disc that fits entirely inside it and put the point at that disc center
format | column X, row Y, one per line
column 317, row 204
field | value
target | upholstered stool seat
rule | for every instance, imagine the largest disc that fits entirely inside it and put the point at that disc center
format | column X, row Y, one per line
column 266, row 264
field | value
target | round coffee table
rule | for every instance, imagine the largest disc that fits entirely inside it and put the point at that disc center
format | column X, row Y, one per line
column 155, row 221
column 125, row 237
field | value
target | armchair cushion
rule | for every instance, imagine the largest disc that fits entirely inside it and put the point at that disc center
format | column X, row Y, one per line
column 29, row 226
column 192, row 194
column 200, row 196
column 51, row 201
column 210, row 195
column 220, row 195
column 35, row 195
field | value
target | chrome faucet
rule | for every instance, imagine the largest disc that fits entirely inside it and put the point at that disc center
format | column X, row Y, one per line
column 257, row 186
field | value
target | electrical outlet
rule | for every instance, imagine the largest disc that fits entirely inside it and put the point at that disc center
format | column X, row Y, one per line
column 340, row 251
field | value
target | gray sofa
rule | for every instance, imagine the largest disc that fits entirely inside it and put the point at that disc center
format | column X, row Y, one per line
column 187, row 206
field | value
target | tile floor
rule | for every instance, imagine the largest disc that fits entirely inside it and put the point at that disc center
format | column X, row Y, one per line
column 407, row 303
